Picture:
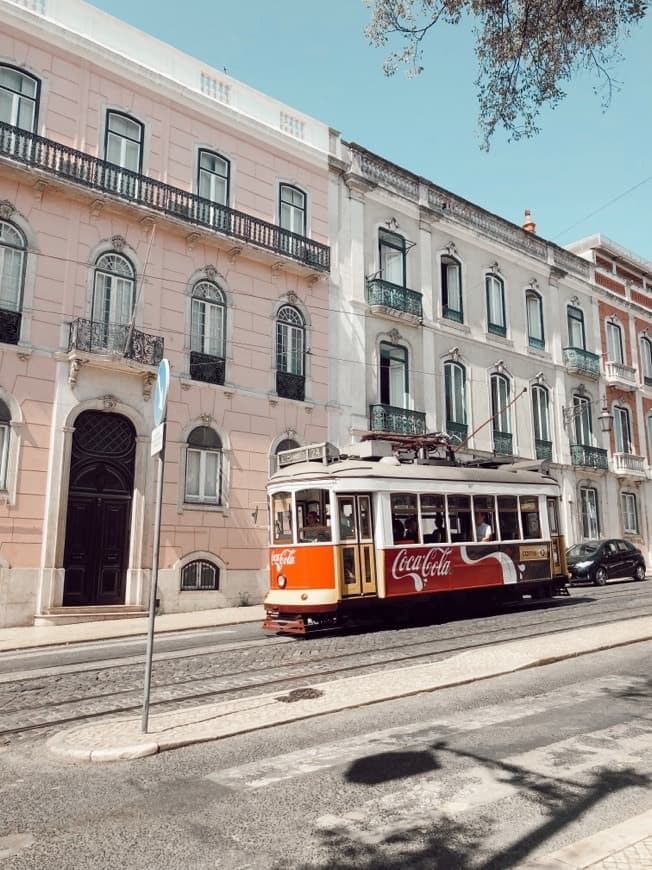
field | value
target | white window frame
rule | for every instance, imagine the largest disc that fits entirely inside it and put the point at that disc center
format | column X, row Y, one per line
column 392, row 257
column 496, row 314
column 629, row 506
column 290, row 348
column 395, row 385
column 451, row 288
column 455, row 393
column 582, row 422
column 534, row 312
column 5, row 441
column 622, row 430
column 200, row 497
column 575, row 321
column 589, row 512
column 209, row 180
column 114, row 280
column 13, row 248
column 207, row 305
column 615, row 348
column 18, row 100
column 541, row 413
column 646, row 359
column 500, row 398
column 292, row 209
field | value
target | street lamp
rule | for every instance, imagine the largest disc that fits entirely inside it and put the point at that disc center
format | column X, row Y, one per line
column 605, row 419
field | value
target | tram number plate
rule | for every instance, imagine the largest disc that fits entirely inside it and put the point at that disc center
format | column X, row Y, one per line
column 532, row 554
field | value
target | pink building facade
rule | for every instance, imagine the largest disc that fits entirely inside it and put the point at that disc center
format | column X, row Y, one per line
column 148, row 208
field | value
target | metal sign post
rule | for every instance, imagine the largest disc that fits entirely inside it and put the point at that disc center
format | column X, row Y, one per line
column 158, row 449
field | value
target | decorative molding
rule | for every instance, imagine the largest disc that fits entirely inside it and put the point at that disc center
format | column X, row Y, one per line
column 277, row 268
column 534, row 284
column 40, row 187
column 451, row 248
column 192, row 239
column 392, row 224
column 73, row 370
column 495, row 268
column 119, row 243
column 574, row 300
column 206, row 419
column 292, row 297
column 149, row 379
column 233, row 254
column 96, row 207
column 394, row 335
column 7, row 209
column 210, row 271
column 312, row 279
column 147, row 222
column 109, row 402
column 500, row 367
column 454, row 354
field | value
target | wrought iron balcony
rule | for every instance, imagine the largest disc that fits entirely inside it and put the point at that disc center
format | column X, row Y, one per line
column 394, row 297
column 9, row 326
column 503, row 443
column 621, row 375
column 452, row 314
column 206, row 368
column 581, row 362
column 589, row 457
column 99, row 175
column 400, row 421
column 497, row 329
column 543, row 449
column 457, row 431
column 118, row 339
column 628, row 463
column 290, row 386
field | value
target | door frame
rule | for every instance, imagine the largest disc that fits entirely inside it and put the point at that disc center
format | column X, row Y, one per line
column 356, row 557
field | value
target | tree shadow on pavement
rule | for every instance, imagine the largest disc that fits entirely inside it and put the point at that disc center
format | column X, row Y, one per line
column 374, row 769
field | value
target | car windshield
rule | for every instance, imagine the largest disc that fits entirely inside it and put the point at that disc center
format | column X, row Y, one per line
column 583, row 551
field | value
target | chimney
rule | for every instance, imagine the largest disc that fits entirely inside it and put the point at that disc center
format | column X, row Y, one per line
column 528, row 224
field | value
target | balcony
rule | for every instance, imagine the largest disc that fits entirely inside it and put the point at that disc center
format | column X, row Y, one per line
column 503, row 443
column 9, row 326
column 98, row 175
column 628, row 463
column 543, row 449
column 116, row 339
column 454, row 314
column 394, row 300
column 206, row 368
column 589, row 457
column 400, row 421
column 580, row 362
column 620, row 375
column 457, row 431
column 290, row 386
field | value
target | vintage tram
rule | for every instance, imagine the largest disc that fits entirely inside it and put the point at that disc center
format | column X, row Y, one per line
column 357, row 538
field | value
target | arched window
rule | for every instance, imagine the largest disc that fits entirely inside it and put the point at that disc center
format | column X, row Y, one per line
column 541, row 418
column 615, row 343
column 455, row 396
column 200, row 574
column 646, row 360
column 13, row 247
column 207, row 328
column 285, row 444
column 496, row 319
column 451, row 289
column 502, row 422
column 18, row 99
column 576, row 332
column 113, row 302
column 290, row 353
column 204, row 466
column 535, row 334
column 5, row 435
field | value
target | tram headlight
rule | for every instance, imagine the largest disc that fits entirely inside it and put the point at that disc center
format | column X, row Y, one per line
column 282, row 581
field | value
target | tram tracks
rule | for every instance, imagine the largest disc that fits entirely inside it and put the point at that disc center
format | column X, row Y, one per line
column 43, row 716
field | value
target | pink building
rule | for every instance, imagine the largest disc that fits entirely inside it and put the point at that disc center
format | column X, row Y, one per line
column 150, row 206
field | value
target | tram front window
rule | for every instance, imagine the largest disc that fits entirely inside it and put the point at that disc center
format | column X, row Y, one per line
column 313, row 515
column 282, row 518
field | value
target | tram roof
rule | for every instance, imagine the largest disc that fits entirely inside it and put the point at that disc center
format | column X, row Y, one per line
column 357, row 468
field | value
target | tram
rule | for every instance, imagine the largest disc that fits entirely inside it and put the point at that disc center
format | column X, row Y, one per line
column 357, row 538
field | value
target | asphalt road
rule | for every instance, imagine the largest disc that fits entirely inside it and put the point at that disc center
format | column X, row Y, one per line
column 486, row 775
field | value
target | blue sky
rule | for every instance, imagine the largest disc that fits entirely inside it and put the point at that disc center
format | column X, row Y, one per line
column 314, row 56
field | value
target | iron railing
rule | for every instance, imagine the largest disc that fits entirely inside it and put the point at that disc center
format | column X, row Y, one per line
column 543, row 449
column 589, row 457
column 503, row 443
column 9, row 326
column 457, row 431
column 380, row 292
column 115, row 338
column 206, row 368
column 400, row 421
column 91, row 172
column 452, row 314
column 290, row 386
column 582, row 362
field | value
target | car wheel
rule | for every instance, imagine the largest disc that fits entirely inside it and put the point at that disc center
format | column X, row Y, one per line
column 600, row 577
column 639, row 574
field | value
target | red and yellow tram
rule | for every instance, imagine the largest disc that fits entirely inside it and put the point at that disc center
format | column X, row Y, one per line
column 353, row 537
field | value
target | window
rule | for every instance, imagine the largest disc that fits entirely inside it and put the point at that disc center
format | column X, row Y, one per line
column 630, row 513
column 123, row 148
column 292, row 209
column 576, row 334
column 18, row 99
column 451, row 289
column 455, row 393
column 496, row 321
column 207, row 319
column 213, row 177
column 589, row 512
column 622, row 430
column 113, row 303
column 646, row 360
column 541, row 418
column 582, row 421
column 534, row 307
column 393, row 376
column 615, row 343
column 649, row 438
column 5, row 435
column 392, row 254
column 204, row 466
column 290, row 353
column 501, row 414
column 200, row 575
column 12, row 271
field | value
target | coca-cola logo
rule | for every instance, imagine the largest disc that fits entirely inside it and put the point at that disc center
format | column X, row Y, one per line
column 283, row 557
column 421, row 567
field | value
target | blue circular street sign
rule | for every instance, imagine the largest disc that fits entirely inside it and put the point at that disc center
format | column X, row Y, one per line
column 161, row 391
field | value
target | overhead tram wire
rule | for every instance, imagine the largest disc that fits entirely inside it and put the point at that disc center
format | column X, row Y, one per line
column 603, row 207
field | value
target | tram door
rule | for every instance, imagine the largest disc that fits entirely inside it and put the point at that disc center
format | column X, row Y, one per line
column 357, row 565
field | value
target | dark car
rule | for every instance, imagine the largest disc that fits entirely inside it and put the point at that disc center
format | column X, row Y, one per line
column 599, row 561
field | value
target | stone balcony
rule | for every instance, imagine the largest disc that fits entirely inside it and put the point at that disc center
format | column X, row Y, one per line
column 622, row 376
column 629, row 464
column 581, row 362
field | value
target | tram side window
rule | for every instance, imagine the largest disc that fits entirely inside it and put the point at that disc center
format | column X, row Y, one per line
column 405, row 518
column 282, row 518
column 313, row 515
column 484, row 513
column 530, row 517
column 508, row 518
column 459, row 518
column 433, row 519
column 553, row 516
